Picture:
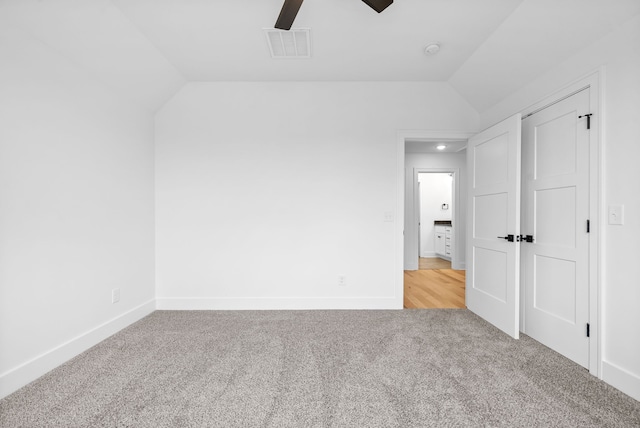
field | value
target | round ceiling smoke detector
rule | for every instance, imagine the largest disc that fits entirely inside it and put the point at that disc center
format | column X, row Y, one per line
column 432, row 49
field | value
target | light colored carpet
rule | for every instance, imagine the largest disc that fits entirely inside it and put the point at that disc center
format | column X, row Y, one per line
column 415, row 368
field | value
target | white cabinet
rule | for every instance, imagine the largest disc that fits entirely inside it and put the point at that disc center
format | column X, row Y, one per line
column 444, row 241
column 441, row 245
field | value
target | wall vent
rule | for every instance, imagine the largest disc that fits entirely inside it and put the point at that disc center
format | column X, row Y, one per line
column 294, row 43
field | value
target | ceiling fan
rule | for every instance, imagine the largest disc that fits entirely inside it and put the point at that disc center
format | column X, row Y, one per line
column 290, row 10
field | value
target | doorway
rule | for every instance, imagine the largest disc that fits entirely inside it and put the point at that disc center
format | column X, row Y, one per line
column 435, row 279
column 435, row 284
column 435, row 231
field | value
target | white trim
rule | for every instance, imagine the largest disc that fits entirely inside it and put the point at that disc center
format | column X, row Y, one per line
column 600, row 210
column 594, row 82
column 428, row 135
column 621, row 379
column 428, row 255
column 268, row 303
column 399, row 225
column 29, row 371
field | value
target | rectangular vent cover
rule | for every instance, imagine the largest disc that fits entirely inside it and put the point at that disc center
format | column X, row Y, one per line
column 289, row 44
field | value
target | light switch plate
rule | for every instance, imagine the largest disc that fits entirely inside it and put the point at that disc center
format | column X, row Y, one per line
column 616, row 214
column 342, row 280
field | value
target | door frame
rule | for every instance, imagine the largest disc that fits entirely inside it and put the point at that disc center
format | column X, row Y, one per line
column 596, row 209
column 399, row 225
column 455, row 201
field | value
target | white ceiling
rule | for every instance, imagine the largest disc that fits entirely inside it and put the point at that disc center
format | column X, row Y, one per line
column 148, row 49
column 223, row 39
column 417, row 145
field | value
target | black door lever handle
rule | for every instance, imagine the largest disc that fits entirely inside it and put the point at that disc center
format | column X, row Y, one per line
column 509, row 238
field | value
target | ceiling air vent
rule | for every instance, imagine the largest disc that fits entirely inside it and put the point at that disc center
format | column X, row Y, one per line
column 289, row 44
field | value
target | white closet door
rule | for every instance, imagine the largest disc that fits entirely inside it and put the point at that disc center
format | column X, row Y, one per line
column 555, row 212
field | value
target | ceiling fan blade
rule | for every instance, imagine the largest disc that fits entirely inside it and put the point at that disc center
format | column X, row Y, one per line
column 378, row 5
column 288, row 14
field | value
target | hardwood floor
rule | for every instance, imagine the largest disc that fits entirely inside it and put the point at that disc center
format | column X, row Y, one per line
column 434, row 288
column 433, row 263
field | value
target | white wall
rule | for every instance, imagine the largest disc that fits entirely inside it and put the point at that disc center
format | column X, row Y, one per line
column 619, row 54
column 442, row 162
column 76, row 210
column 266, row 192
column 435, row 189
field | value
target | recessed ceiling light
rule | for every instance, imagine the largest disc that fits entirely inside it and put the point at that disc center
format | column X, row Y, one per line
column 441, row 147
column 432, row 49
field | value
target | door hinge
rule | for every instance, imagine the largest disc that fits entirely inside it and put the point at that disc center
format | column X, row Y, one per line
column 588, row 330
column 588, row 116
column 588, row 226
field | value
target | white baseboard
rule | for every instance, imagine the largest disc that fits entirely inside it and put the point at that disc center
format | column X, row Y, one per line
column 458, row 266
column 29, row 371
column 621, row 379
column 428, row 254
column 226, row 303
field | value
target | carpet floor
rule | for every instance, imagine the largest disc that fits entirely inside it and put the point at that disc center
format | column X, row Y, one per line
column 412, row 368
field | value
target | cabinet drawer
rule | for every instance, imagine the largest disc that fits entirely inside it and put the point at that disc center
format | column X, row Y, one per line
column 448, row 229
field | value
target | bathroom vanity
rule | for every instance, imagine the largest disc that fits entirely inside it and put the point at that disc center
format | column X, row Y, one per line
column 444, row 239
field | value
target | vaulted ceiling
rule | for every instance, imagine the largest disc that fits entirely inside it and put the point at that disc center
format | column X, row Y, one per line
column 147, row 49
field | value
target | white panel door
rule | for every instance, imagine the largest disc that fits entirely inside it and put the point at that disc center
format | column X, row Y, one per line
column 493, row 163
column 555, row 192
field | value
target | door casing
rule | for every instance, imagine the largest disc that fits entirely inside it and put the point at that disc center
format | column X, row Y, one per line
column 455, row 215
column 399, row 227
